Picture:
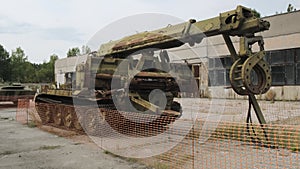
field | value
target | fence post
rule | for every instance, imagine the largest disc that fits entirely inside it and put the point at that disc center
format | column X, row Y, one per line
column 22, row 111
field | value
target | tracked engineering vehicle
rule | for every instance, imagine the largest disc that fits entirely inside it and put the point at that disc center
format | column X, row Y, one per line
column 15, row 92
column 128, row 93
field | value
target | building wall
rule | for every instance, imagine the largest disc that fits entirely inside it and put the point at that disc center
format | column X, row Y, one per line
column 67, row 66
column 282, row 43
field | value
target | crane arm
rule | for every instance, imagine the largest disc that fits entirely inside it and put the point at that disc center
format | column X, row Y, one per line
column 240, row 22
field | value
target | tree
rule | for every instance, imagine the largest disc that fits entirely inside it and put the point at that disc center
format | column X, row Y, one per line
column 53, row 58
column 28, row 75
column 19, row 67
column 3, row 53
column 51, row 65
column 256, row 14
column 290, row 8
column 45, row 71
column 73, row 52
column 18, row 55
column 5, row 64
column 16, row 68
column 85, row 50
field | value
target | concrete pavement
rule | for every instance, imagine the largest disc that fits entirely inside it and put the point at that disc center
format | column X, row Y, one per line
column 24, row 147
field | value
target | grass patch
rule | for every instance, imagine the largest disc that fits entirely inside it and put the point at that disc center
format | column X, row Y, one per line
column 130, row 160
column 110, row 153
column 295, row 149
column 278, row 136
column 31, row 124
column 49, row 147
column 160, row 166
column 6, row 153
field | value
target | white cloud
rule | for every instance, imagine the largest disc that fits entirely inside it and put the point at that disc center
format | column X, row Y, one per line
column 44, row 27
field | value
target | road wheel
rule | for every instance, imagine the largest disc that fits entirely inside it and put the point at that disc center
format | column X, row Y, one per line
column 77, row 124
column 57, row 116
column 47, row 114
column 68, row 118
column 91, row 122
column 78, row 119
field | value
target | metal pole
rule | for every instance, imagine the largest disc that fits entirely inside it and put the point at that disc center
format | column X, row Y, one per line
column 27, row 105
column 257, row 109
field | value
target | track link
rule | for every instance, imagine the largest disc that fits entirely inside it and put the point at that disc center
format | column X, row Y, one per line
column 103, row 120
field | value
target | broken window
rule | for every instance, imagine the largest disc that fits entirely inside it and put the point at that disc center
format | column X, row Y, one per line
column 285, row 68
column 298, row 74
column 298, row 55
column 278, row 75
column 290, row 74
column 218, row 77
column 219, row 71
column 277, row 57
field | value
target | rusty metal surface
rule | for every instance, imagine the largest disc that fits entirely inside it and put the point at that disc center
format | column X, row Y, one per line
column 14, row 92
column 114, row 80
column 88, row 119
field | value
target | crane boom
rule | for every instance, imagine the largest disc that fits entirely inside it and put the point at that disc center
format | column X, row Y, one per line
column 240, row 22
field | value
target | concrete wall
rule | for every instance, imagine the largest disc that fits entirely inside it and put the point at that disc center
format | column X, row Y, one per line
column 281, row 93
column 67, row 65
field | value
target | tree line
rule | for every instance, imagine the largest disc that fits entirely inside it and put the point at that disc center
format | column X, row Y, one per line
column 15, row 67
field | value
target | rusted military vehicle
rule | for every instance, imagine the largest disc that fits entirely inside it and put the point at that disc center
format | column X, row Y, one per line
column 14, row 92
column 128, row 83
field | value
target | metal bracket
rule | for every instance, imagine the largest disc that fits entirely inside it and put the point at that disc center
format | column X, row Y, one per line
column 249, row 74
column 246, row 45
column 250, row 66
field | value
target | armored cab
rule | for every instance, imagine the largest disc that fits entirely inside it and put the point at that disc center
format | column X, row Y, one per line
column 121, row 87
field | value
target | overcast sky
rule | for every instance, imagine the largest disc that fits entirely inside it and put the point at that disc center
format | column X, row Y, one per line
column 45, row 27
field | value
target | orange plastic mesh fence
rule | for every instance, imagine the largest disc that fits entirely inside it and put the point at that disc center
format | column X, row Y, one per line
column 26, row 112
column 231, row 146
column 199, row 143
column 22, row 111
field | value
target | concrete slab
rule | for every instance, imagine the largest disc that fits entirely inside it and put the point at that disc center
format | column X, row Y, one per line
column 24, row 147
